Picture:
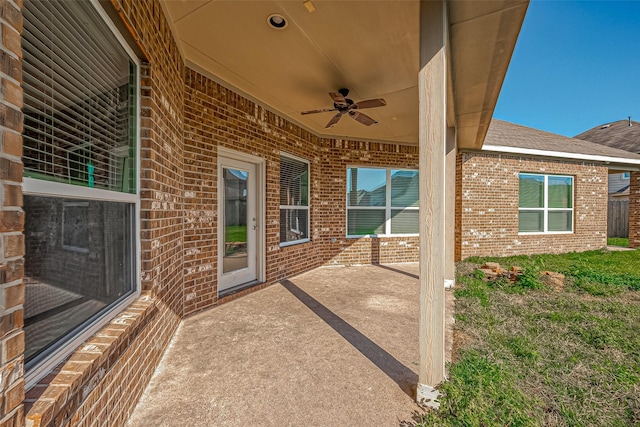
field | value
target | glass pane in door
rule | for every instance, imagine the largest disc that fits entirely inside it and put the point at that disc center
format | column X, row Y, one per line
column 235, row 220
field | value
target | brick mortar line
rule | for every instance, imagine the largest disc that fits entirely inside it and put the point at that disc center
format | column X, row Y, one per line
column 12, row 283
column 11, row 157
column 6, row 76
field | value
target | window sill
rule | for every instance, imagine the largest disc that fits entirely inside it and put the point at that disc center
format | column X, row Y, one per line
column 544, row 233
column 380, row 236
column 295, row 242
column 66, row 387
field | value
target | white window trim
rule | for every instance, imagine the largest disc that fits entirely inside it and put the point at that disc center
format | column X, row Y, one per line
column 387, row 208
column 37, row 369
column 545, row 209
column 307, row 208
column 626, row 175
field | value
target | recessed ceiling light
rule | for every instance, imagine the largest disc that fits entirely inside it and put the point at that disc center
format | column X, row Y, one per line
column 277, row 21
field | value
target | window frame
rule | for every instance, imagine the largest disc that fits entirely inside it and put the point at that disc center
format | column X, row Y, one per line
column 387, row 207
column 293, row 207
column 42, row 364
column 546, row 209
column 626, row 175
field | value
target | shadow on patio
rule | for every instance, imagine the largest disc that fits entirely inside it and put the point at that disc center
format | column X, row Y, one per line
column 331, row 347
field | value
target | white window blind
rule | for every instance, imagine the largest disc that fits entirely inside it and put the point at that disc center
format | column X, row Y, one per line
column 545, row 203
column 294, row 200
column 80, row 147
column 79, row 98
column 382, row 201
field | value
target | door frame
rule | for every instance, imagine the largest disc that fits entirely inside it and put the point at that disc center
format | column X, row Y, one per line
column 259, row 163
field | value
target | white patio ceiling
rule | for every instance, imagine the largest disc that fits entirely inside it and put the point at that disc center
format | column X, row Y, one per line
column 369, row 47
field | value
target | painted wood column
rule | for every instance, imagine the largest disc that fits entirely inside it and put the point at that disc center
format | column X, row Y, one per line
column 432, row 142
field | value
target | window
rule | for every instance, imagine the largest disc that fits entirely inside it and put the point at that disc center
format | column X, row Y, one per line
column 294, row 200
column 626, row 175
column 382, row 201
column 546, row 204
column 80, row 147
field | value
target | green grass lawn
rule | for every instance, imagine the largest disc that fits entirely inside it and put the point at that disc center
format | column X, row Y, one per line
column 235, row 233
column 527, row 355
column 618, row 241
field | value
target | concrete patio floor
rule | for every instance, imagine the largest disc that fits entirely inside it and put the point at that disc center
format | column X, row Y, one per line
column 331, row 347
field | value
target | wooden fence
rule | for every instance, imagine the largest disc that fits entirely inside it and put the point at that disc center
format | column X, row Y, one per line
column 618, row 218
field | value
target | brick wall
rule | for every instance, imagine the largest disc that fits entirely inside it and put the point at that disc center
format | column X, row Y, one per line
column 634, row 210
column 185, row 118
column 217, row 117
column 336, row 249
column 104, row 377
column 488, row 206
column 11, row 218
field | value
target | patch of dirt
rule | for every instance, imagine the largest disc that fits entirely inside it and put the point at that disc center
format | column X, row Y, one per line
column 553, row 280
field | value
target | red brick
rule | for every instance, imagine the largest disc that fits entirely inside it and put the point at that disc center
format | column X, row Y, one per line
column 11, row 221
column 12, row 143
column 13, row 246
column 12, row 93
column 11, row 40
column 13, row 296
column 10, row 322
column 12, row 195
column 10, row 170
column 13, row 346
column 13, row 396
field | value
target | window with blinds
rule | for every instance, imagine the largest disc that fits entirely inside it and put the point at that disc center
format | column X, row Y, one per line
column 545, row 203
column 382, row 202
column 80, row 191
column 79, row 98
column 294, row 200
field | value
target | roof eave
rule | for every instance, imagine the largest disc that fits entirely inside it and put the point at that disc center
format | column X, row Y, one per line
column 482, row 37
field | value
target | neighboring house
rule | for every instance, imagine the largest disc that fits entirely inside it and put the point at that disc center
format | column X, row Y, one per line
column 136, row 133
column 623, row 135
column 529, row 191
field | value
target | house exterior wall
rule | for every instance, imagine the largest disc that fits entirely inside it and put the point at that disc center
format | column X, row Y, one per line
column 104, row 377
column 185, row 118
column 11, row 218
column 617, row 182
column 487, row 204
column 217, row 117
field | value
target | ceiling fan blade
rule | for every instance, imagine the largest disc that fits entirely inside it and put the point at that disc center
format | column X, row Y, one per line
column 362, row 118
column 371, row 103
column 322, row 110
column 333, row 120
column 338, row 98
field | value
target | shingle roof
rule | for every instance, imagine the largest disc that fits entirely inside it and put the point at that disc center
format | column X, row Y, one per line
column 507, row 134
column 617, row 135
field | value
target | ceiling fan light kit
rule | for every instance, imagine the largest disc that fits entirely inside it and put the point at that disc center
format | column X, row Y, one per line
column 344, row 105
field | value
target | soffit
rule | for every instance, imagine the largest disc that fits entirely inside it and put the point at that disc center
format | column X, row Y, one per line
column 371, row 48
column 482, row 37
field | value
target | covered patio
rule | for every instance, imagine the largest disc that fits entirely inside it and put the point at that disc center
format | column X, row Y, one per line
column 325, row 347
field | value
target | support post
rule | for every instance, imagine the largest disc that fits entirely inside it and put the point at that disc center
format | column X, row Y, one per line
column 432, row 142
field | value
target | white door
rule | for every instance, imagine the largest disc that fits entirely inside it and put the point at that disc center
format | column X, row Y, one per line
column 237, row 224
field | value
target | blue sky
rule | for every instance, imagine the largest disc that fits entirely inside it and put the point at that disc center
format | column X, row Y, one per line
column 576, row 65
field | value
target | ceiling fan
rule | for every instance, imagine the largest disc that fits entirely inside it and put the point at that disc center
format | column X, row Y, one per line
column 344, row 105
